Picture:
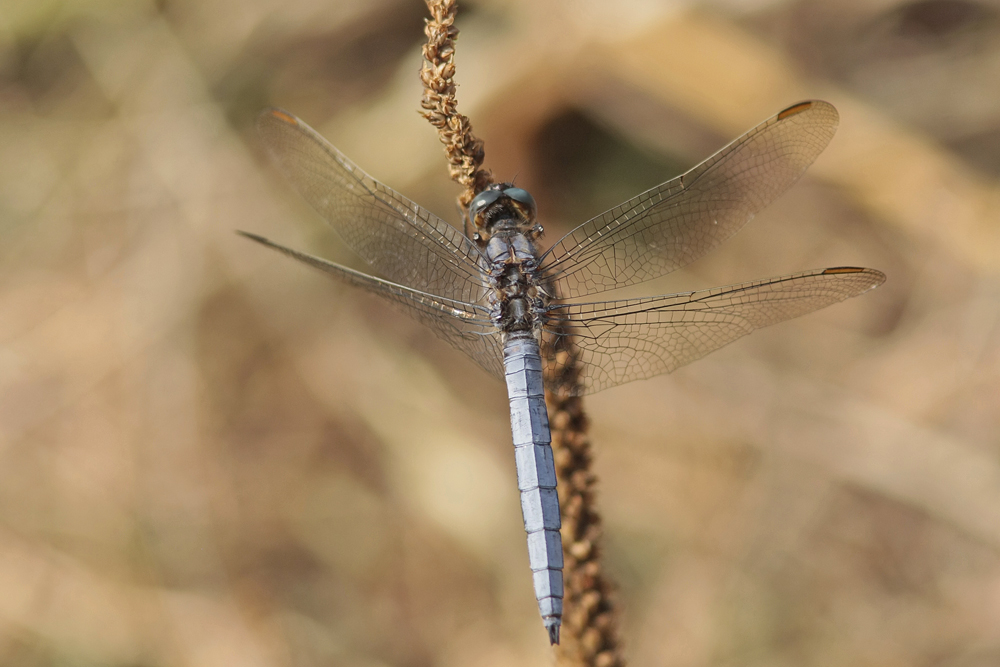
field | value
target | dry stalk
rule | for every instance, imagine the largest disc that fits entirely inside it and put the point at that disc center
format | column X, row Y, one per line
column 590, row 628
column 440, row 106
column 590, row 620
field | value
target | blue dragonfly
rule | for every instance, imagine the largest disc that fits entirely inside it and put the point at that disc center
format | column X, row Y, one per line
column 495, row 295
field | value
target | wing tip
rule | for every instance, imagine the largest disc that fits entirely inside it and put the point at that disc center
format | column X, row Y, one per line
column 807, row 105
column 260, row 239
column 877, row 277
column 280, row 115
column 795, row 109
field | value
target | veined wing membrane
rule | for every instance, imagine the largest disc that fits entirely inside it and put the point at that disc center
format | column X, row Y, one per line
column 402, row 241
column 673, row 224
column 465, row 326
column 634, row 339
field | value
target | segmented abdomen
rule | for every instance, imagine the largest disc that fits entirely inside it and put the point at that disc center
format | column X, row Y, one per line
column 536, row 475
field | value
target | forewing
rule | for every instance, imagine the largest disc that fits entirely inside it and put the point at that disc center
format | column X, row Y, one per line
column 465, row 326
column 622, row 341
column 673, row 224
column 403, row 242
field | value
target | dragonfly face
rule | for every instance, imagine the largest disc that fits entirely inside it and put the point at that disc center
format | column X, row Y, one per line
column 501, row 206
column 494, row 296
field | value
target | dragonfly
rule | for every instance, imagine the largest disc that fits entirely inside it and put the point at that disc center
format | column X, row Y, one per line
column 492, row 293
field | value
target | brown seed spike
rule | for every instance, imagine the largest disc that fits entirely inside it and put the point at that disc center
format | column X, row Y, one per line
column 440, row 107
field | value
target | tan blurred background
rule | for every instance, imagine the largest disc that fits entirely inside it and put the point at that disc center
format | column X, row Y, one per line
column 211, row 456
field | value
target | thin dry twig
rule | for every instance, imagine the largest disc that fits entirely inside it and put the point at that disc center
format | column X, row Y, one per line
column 440, row 106
column 590, row 627
column 590, row 619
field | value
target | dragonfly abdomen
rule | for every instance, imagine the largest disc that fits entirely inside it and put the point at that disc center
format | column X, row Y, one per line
column 536, row 474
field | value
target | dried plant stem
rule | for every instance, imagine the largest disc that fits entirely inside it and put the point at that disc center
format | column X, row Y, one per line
column 590, row 621
column 440, row 106
column 590, row 632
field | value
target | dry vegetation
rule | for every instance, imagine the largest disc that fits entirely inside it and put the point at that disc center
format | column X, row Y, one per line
column 210, row 456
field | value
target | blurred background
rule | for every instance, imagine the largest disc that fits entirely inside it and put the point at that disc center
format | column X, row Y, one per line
column 210, row 455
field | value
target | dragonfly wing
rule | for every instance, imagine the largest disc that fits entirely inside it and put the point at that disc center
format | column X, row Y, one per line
column 634, row 339
column 402, row 241
column 674, row 223
column 465, row 326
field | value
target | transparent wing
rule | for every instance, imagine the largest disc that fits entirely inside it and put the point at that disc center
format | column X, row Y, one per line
column 673, row 224
column 634, row 339
column 465, row 326
column 400, row 240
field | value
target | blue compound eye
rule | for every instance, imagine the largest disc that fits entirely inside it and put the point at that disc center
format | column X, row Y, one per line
column 482, row 201
column 521, row 197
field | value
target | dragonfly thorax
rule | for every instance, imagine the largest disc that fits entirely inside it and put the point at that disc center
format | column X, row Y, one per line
column 517, row 315
column 516, row 300
column 509, row 248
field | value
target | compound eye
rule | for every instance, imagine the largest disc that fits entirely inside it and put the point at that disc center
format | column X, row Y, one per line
column 481, row 202
column 522, row 197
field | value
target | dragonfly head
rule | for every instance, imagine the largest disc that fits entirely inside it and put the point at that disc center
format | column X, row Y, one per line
column 503, row 206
